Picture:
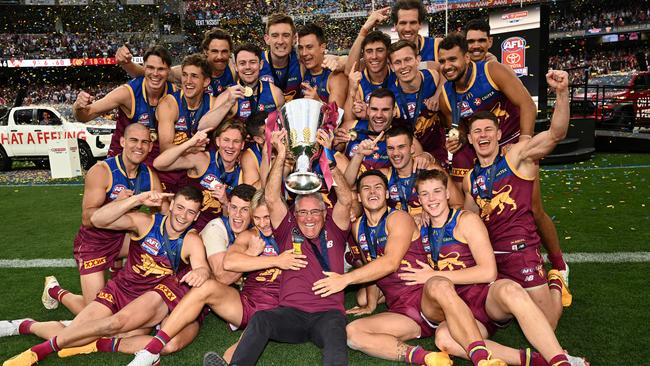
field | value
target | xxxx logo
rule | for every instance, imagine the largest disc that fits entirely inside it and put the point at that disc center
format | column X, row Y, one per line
column 94, row 262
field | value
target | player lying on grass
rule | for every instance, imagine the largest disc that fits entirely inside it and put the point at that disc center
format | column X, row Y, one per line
column 156, row 276
column 459, row 295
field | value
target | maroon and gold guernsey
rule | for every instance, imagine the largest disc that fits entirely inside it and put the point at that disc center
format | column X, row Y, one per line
column 264, row 285
column 96, row 249
column 394, row 289
column 482, row 94
column 454, row 254
column 296, row 286
column 147, row 266
column 507, row 209
column 400, row 297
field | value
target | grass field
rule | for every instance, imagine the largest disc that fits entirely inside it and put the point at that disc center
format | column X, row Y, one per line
column 599, row 206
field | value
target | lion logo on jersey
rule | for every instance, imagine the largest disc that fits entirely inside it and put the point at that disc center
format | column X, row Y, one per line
column 450, row 262
column 149, row 267
column 499, row 201
column 424, row 123
column 210, row 203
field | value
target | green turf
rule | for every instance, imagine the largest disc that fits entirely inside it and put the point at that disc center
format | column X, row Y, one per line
column 595, row 211
column 607, row 321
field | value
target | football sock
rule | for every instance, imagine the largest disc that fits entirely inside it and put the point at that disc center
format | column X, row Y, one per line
column 158, row 342
column 555, row 284
column 57, row 292
column 416, row 355
column 25, row 326
column 477, row 352
column 530, row 358
column 108, row 344
column 557, row 261
column 44, row 349
column 559, row 360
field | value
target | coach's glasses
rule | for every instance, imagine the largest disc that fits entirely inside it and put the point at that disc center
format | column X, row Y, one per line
column 303, row 213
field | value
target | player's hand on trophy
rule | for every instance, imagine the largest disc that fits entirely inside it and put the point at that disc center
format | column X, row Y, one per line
column 153, row 198
column 433, row 104
column 279, row 140
column 83, row 100
column 288, row 260
column 309, row 91
column 376, row 17
column 558, row 80
column 416, row 276
column 325, row 138
column 123, row 55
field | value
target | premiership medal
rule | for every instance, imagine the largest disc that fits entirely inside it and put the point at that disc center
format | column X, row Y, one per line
column 453, row 134
column 248, row 92
column 153, row 134
column 353, row 135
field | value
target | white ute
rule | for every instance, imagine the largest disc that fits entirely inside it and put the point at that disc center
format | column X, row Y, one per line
column 26, row 131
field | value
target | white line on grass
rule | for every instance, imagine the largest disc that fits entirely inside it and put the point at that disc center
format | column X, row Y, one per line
column 589, row 168
column 617, row 257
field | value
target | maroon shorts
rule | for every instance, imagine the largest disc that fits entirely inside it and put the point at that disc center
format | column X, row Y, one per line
column 249, row 307
column 114, row 297
column 409, row 305
column 526, row 267
column 463, row 160
column 94, row 255
column 475, row 296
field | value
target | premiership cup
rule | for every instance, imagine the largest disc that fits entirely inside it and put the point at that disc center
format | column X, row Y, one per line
column 302, row 118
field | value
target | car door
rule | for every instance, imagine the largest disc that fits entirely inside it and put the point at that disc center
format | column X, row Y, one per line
column 20, row 133
column 48, row 128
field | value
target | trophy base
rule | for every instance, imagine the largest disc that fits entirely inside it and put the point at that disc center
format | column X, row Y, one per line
column 303, row 183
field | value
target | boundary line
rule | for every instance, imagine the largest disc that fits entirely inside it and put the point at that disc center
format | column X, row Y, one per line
column 615, row 257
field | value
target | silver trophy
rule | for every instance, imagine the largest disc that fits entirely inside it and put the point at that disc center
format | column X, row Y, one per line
column 302, row 118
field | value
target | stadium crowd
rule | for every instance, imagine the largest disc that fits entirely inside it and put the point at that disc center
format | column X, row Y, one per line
column 599, row 62
column 601, row 15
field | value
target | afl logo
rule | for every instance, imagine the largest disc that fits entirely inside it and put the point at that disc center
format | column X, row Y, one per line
column 513, row 54
column 116, row 191
column 267, row 78
column 181, row 125
column 144, row 119
column 207, row 180
column 393, row 192
column 151, row 245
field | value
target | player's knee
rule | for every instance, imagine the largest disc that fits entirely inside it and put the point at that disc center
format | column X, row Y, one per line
column 354, row 335
column 117, row 324
column 443, row 340
column 438, row 287
column 512, row 292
